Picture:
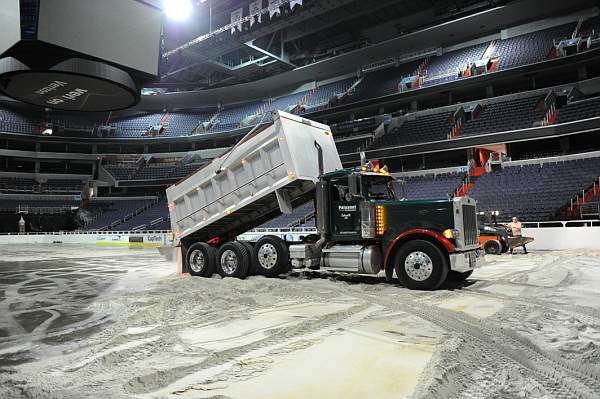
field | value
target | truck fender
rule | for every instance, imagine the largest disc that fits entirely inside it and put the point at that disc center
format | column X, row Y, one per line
column 429, row 235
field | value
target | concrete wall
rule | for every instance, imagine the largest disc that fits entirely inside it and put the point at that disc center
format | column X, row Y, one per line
column 546, row 238
column 130, row 239
column 564, row 237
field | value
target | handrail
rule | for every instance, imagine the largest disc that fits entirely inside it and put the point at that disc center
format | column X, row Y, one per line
column 80, row 232
column 157, row 221
column 562, row 224
column 590, row 209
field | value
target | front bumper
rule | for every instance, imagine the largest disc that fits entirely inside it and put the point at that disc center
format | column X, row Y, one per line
column 465, row 261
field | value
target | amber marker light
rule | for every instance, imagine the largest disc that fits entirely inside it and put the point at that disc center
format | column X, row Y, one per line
column 379, row 219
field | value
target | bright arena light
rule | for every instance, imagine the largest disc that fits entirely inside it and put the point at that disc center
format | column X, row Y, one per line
column 177, row 10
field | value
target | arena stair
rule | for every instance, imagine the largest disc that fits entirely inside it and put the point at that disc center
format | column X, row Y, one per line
column 469, row 180
column 457, row 128
column 464, row 188
column 574, row 208
column 212, row 121
column 489, row 52
column 300, row 106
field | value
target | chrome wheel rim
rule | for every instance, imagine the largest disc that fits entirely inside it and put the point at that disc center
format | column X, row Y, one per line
column 197, row 261
column 418, row 266
column 267, row 256
column 229, row 261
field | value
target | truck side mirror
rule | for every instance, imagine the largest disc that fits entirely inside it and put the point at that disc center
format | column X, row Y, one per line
column 354, row 185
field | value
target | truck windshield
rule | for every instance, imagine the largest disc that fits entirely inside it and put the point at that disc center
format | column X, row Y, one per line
column 379, row 187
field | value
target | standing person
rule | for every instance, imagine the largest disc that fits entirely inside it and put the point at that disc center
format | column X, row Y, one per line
column 515, row 228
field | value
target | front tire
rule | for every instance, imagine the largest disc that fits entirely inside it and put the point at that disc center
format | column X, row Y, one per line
column 492, row 247
column 200, row 259
column 420, row 265
column 271, row 256
column 233, row 260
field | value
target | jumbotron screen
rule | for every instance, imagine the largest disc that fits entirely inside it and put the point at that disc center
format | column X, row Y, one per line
column 98, row 28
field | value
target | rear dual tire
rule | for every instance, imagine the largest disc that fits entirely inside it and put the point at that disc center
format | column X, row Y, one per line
column 269, row 257
column 200, row 259
column 233, row 260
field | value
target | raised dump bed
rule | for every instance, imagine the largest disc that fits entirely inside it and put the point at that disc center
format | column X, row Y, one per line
column 269, row 172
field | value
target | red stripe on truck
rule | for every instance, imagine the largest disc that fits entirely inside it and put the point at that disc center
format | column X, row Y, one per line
column 438, row 236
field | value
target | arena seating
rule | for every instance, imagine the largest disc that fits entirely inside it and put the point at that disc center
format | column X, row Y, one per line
column 351, row 146
column 17, row 184
column 186, row 170
column 424, row 128
column 63, row 186
column 145, row 218
column 297, row 216
column 120, row 172
column 184, row 123
column 14, row 122
column 164, row 225
column 347, row 130
column 515, row 51
column 286, row 103
column 446, row 67
column 383, row 82
column 137, row 125
column 577, row 110
column 323, row 94
column 354, row 127
column 534, row 192
column 152, row 171
column 529, row 48
column 231, row 117
column 426, row 186
column 106, row 212
column 505, row 115
column 47, row 202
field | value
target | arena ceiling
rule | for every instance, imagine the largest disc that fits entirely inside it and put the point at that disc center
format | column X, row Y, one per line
column 432, row 29
column 318, row 30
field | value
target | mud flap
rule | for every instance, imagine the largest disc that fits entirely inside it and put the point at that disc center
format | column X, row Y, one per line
column 180, row 258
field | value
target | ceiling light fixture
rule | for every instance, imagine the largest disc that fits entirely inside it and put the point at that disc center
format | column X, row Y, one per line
column 177, row 10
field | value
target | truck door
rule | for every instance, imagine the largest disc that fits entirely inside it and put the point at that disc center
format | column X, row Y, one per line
column 345, row 212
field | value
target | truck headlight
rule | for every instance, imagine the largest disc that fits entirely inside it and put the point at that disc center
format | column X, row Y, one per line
column 450, row 233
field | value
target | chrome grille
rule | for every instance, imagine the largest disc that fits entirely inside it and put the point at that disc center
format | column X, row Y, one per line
column 469, row 225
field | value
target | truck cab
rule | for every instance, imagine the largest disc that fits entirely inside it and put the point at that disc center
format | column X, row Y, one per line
column 365, row 228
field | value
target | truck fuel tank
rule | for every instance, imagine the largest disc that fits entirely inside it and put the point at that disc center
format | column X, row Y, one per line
column 352, row 258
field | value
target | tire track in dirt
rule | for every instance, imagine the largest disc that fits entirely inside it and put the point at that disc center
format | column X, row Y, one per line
column 557, row 376
column 167, row 380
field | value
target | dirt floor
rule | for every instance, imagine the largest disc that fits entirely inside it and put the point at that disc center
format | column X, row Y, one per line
column 88, row 322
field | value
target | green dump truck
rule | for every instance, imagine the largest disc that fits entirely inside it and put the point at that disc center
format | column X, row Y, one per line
column 361, row 226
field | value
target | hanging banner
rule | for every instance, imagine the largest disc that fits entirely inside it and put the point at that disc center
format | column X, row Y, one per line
column 255, row 8
column 294, row 2
column 236, row 19
column 274, row 7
